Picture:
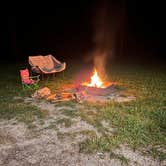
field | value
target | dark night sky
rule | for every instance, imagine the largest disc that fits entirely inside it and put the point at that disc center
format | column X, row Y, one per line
column 68, row 34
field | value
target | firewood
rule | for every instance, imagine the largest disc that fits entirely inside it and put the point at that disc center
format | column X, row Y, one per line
column 66, row 95
column 76, row 97
column 42, row 93
column 51, row 97
column 60, row 100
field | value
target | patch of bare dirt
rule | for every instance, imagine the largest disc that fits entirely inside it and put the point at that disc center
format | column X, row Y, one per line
column 41, row 145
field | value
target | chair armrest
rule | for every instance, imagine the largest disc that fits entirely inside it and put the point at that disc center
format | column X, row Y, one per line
column 35, row 77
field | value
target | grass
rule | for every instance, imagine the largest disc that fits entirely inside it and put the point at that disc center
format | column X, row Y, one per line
column 124, row 161
column 69, row 112
column 155, row 153
column 102, row 144
column 139, row 124
column 72, row 135
column 20, row 111
column 15, row 108
column 66, row 104
column 64, row 121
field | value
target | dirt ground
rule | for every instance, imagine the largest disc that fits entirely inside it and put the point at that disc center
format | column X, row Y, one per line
column 47, row 144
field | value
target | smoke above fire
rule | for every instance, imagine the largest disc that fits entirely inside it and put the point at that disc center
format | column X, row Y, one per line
column 101, row 38
column 99, row 60
column 108, row 31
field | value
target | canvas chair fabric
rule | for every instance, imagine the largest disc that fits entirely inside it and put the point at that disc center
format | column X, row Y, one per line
column 47, row 64
column 25, row 77
column 27, row 81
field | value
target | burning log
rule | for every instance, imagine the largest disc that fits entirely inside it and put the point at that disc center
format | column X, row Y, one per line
column 96, row 81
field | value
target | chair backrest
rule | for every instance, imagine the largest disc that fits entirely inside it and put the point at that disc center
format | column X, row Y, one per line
column 25, row 76
column 47, row 61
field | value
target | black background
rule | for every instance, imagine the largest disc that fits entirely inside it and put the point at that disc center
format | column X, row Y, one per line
column 68, row 34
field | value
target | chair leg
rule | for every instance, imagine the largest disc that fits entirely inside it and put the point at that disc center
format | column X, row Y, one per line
column 42, row 76
column 63, row 74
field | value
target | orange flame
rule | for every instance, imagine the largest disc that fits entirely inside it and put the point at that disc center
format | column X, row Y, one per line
column 95, row 81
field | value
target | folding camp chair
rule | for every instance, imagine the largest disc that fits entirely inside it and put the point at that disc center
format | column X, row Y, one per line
column 47, row 64
column 27, row 81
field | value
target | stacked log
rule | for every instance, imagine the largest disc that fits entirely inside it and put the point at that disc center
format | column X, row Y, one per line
column 45, row 93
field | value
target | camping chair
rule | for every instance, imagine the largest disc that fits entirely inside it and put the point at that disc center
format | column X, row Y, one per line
column 46, row 64
column 27, row 81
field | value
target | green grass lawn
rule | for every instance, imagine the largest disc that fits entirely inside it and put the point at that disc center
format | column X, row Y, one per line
column 141, row 124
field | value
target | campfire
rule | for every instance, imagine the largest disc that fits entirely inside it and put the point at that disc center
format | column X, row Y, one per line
column 96, row 90
column 96, row 81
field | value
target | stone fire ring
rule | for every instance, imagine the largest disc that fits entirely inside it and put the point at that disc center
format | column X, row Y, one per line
column 103, row 95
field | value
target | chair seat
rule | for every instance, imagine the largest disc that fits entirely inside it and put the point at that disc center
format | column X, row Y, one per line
column 28, row 81
column 46, row 64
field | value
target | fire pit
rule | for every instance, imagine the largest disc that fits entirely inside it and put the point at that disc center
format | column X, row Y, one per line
column 96, row 90
column 100, row 91
column 94, row 94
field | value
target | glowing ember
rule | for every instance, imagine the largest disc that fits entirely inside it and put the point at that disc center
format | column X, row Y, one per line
column 95, row 81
